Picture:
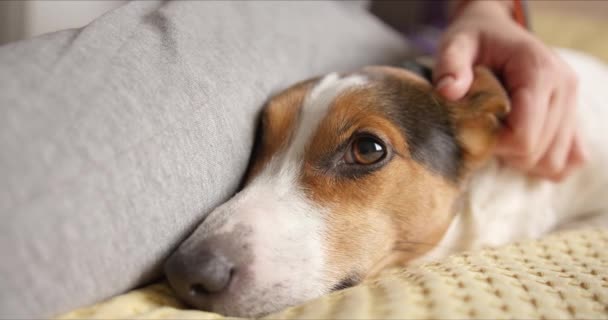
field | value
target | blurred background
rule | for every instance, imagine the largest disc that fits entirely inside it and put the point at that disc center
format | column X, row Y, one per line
column 578, row 24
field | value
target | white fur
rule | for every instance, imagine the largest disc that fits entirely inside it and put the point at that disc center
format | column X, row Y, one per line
column 315, row 107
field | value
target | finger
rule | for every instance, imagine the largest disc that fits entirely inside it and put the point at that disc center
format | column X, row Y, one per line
column 555, row 117
column 576, row 157
column 553, row 165
column 579, row 153
column 453, row 72
column 572, row 152
column 518, row 140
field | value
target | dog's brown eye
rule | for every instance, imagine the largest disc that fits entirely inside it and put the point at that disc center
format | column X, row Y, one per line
column 366, row 150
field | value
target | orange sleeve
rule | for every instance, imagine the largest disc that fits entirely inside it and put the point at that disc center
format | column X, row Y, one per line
column 519, row 13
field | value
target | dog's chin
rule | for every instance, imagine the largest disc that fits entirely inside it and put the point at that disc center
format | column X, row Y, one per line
column 252, row 309
column 253, row 303
column 258, row 310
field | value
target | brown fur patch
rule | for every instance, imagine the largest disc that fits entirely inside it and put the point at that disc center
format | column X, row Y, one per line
column 478, row 116
column 387, row 213
column 277, row 124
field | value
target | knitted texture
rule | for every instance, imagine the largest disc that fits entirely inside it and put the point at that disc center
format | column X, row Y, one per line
column 562, row 276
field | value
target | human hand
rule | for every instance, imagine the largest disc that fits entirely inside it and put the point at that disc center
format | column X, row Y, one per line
column 541, row 135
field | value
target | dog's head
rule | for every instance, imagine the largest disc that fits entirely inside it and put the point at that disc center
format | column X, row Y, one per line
column 350, row 174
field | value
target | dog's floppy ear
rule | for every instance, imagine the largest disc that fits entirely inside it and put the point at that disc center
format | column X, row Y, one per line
column 478, row 116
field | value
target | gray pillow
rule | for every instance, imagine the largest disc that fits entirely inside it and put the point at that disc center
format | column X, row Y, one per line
column 116, row 139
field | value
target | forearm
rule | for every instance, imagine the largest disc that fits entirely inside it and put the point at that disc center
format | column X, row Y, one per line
column 494, row 7
column 513, row 9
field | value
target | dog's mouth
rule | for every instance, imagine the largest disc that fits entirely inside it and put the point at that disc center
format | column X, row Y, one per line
column 349, row 281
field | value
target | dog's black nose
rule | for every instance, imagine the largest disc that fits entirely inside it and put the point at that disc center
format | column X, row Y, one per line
column 198, row 273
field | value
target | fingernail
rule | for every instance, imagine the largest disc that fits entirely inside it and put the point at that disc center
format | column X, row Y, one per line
column 445, row 81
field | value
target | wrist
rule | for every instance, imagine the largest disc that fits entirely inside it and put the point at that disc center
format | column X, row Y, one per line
column 493, row 8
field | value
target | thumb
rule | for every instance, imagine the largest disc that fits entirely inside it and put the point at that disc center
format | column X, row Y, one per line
column 453, row 72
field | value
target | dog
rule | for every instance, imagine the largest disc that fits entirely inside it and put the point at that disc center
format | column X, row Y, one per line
column 355, row 173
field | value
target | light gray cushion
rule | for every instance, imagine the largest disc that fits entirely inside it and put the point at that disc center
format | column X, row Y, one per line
column 116, row 139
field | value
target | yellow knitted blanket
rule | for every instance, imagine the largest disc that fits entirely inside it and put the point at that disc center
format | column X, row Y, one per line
column 562, row 276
